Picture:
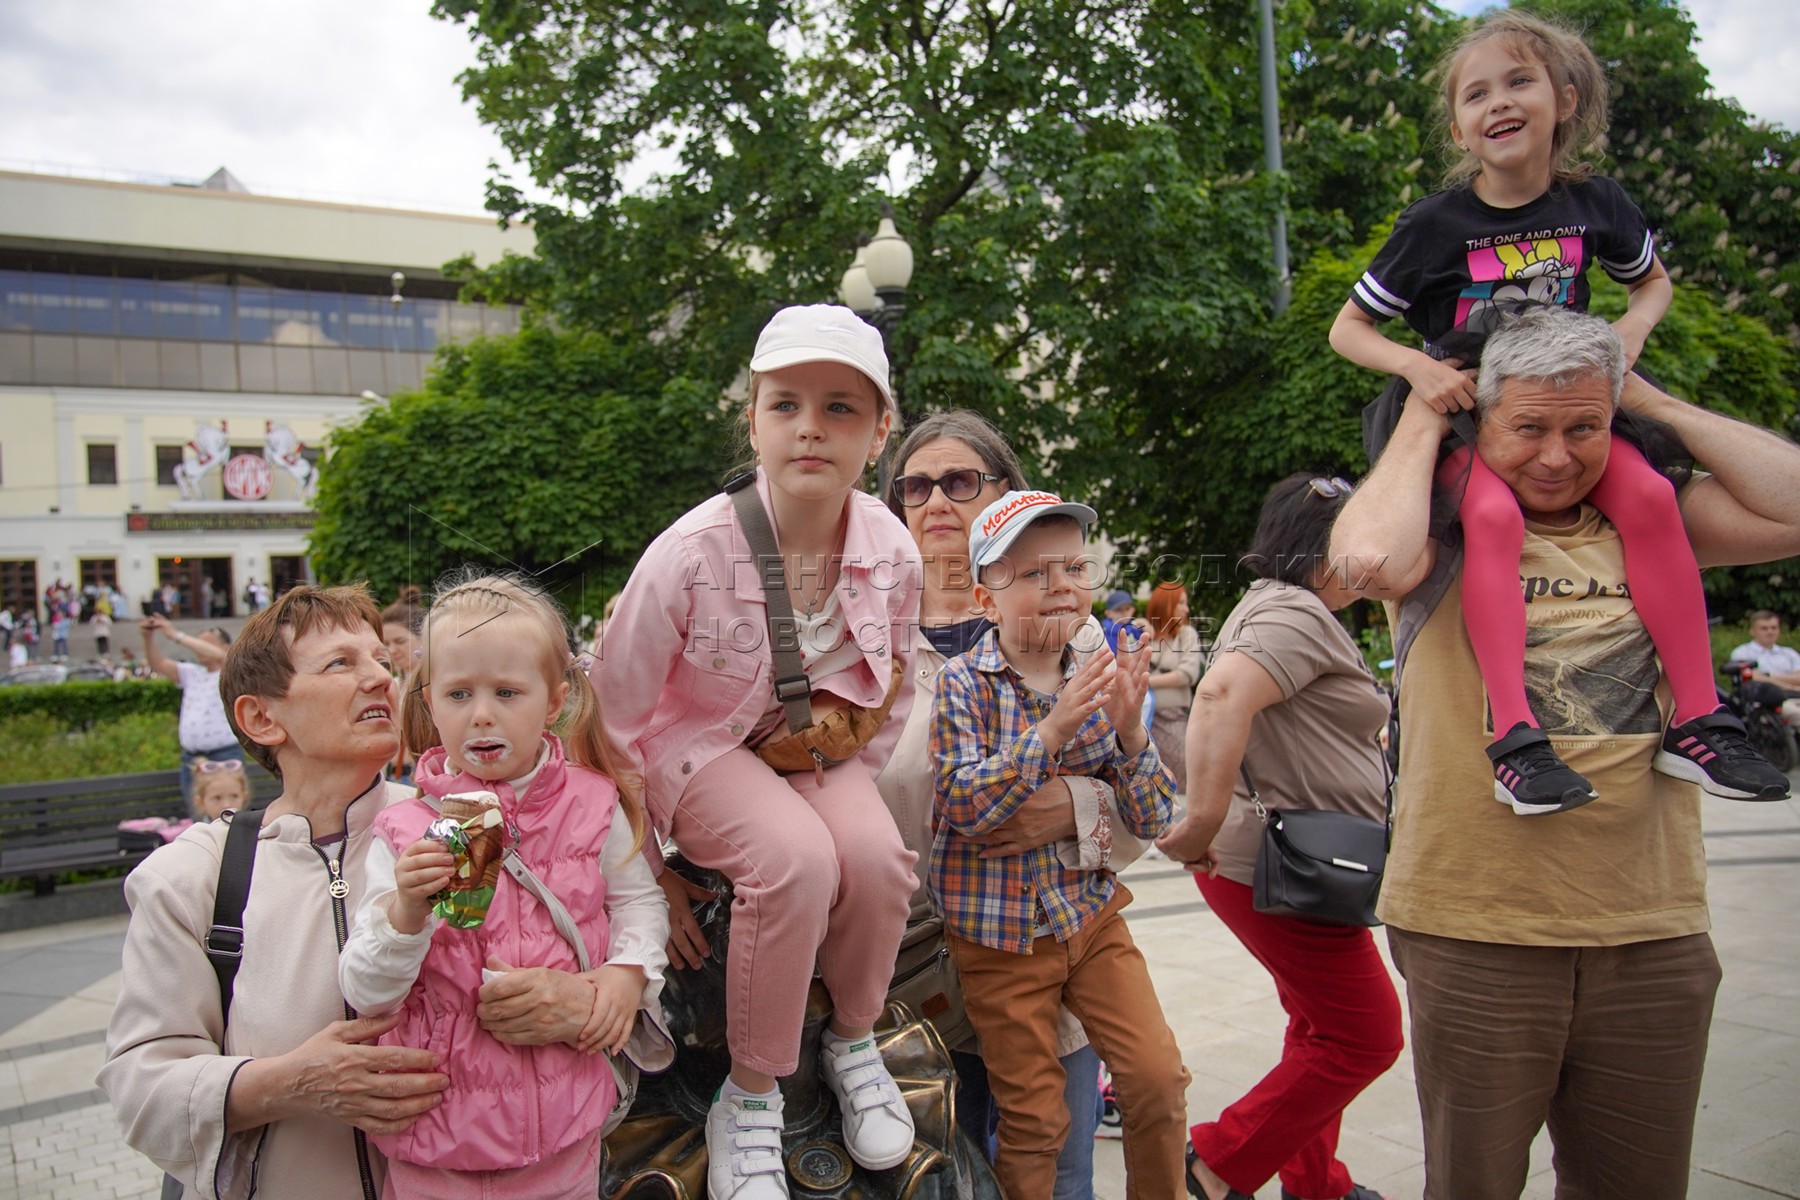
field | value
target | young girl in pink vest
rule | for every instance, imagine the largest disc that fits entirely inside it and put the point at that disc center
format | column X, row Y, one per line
column 519, row 1025
column 820, row 875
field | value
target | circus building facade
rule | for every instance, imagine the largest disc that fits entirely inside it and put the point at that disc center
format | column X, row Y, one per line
column 173, row 359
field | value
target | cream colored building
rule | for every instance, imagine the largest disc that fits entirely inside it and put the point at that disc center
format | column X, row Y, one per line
column 134, row 315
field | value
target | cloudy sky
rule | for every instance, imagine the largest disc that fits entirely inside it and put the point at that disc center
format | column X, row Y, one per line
column 356, row 99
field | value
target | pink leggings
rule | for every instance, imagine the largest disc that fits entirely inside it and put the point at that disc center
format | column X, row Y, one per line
column 820, row 875
column 1659, row 567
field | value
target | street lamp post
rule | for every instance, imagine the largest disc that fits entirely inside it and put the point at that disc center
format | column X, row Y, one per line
column 874, row 287
column 1271, row 118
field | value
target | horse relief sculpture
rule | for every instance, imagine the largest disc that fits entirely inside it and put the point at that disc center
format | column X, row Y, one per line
column 207, row 452
column 282, row 449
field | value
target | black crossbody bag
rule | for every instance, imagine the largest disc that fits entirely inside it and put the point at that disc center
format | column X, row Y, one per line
column 1320, row 866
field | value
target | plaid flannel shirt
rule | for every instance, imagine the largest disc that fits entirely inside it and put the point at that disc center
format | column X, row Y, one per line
column 990, row 760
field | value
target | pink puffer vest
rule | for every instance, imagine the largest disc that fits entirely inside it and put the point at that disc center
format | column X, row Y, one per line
column 508, row 1106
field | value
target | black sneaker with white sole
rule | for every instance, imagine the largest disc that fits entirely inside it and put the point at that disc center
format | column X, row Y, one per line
column 1529, row 776
column 1714, row 752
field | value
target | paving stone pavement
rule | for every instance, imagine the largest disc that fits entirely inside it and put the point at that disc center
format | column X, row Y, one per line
column 59, row 1141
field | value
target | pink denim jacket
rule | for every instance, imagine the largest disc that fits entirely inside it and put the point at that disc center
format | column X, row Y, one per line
column 684, row 673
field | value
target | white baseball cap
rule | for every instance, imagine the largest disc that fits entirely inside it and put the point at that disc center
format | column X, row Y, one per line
column 1001, row 522
column 809, row 333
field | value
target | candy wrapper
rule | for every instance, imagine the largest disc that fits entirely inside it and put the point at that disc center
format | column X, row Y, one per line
column 472, row 828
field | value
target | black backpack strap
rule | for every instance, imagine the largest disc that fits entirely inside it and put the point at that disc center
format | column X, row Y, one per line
column 792, row 688
column 1417, row 605
column 225, row 940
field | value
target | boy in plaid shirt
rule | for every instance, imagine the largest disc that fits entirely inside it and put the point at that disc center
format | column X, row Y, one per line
column 1029, row 934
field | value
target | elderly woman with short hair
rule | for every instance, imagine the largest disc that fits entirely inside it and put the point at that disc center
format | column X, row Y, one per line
column 275, row 1095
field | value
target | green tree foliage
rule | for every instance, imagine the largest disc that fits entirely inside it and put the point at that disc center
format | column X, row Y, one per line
column 1082, row 185
column 1069, row 170
column 1359, row 97
column 87, row 702
column 553, row 453
column 1717, row 185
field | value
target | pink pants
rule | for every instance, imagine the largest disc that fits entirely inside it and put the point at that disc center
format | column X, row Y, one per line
column 569, row 1174
column 820, row 875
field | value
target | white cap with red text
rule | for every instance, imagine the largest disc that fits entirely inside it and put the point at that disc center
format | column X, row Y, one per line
column 1001, row 522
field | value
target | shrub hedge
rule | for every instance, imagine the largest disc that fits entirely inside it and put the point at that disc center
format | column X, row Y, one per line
column 81, row 704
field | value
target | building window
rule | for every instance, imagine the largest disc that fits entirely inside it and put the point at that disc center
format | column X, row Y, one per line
column 167, row 459
column 18, row 585
column 103, row 464
column 99, row 572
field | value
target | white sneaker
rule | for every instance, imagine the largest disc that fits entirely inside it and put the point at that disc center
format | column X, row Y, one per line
column 878, row 1127
column 743, row 1149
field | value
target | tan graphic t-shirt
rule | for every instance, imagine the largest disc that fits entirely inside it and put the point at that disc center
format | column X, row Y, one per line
column 1627, row 867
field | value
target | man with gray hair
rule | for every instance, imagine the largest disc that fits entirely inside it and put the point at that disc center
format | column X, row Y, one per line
column 1557, row 972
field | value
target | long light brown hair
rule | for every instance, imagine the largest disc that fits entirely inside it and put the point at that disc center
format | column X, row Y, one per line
column 1570, row 64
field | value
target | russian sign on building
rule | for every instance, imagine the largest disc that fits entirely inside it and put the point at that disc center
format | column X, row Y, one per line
column 234, row 520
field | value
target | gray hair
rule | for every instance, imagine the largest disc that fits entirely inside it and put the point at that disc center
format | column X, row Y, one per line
column 1553, row 346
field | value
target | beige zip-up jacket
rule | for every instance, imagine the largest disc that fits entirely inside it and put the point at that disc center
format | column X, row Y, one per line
column 170, row 1058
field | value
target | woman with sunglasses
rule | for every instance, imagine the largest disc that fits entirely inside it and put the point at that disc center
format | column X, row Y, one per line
column 1289, row 698
column 950, row 467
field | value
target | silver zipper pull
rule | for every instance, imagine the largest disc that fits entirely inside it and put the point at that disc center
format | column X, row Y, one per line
column 338, row 889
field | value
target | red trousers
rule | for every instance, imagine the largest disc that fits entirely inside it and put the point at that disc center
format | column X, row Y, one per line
column 1343, row 1031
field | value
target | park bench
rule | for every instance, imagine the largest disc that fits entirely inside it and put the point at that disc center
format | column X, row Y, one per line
column 65, row 825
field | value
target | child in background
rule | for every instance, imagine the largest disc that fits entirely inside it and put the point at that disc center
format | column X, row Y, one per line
column 1522, row 221
column 218, row 787
column 494, row 674
column 60, row 627
column 1029, row 934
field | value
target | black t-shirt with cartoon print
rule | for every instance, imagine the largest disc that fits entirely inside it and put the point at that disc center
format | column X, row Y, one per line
column 1451, row 254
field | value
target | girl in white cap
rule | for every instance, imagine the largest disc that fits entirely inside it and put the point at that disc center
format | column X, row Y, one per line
column 819, row 872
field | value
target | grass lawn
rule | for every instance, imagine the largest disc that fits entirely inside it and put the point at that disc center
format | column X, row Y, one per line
column 35, row 746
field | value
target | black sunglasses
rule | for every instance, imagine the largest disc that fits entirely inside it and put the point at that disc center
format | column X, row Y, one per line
column 1329, row 489
column 914, row 490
